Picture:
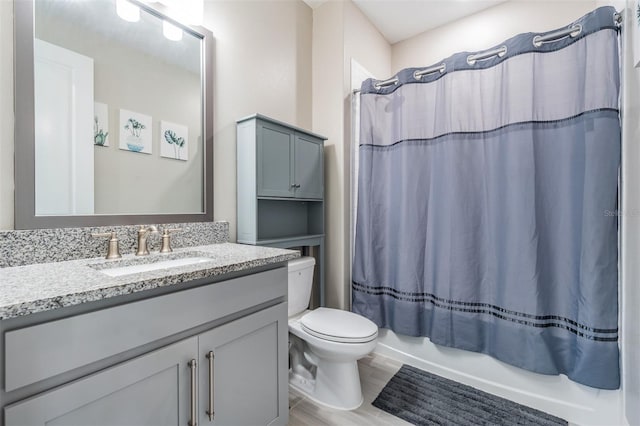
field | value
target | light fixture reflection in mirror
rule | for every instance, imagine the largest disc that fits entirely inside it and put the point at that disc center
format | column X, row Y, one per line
column 127, row 11
column 171, row 32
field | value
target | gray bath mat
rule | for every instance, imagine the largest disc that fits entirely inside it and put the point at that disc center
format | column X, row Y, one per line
column 422, row 398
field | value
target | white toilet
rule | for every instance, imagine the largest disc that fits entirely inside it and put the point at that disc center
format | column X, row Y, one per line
column 325, row 344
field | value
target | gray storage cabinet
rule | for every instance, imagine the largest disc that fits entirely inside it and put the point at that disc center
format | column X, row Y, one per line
column 280, row 192
column 217, row 355
column 289, row 161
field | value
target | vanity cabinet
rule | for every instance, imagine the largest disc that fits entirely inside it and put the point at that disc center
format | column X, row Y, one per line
column 218, row 348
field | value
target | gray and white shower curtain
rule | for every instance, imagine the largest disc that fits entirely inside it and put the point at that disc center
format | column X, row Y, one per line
column 487, row 199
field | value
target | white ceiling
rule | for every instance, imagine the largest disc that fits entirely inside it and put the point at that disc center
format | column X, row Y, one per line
column 399, row 20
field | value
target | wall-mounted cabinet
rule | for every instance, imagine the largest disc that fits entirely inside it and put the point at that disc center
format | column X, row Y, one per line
column 289, row 162
column 280, row 186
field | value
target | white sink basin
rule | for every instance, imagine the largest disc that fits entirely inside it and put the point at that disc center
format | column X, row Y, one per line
column 154, row 266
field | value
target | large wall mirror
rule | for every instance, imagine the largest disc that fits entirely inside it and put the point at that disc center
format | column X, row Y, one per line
column 114, row 120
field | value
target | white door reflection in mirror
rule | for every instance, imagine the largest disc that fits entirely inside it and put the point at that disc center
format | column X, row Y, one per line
column 63, row 131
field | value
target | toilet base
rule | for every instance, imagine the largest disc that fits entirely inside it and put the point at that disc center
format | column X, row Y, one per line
column 324, row 370
column 336, row 385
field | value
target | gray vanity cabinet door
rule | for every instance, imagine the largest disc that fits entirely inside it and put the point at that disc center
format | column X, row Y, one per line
column 249, row 371
column 275, row 160
column 308, row 167
column 153, row 389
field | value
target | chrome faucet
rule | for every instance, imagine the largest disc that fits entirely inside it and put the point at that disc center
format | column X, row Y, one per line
column 143, row 233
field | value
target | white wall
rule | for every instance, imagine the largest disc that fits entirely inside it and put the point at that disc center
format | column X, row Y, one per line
column 340, row 32
column 554, row 394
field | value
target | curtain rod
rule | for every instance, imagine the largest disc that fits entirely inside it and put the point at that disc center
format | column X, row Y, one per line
column 573, row 31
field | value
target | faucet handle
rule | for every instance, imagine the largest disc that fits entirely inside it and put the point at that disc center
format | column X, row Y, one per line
column 113, row 251
column 166, row 239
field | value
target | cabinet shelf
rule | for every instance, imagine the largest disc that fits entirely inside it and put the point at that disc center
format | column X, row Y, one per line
column 281, row 219
column 311, row 200
column 290, row 239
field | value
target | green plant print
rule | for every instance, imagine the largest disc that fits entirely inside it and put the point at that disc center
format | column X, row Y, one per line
column 177, row 142
column 99, row 135
column 134, row 127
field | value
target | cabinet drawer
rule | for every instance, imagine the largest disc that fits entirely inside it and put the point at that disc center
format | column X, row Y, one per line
column 38, row 352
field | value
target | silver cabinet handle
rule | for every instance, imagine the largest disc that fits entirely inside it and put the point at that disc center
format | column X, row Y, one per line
column 193, row 365
column 210, row 411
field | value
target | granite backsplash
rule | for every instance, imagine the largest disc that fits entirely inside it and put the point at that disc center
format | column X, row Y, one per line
column 26, row 247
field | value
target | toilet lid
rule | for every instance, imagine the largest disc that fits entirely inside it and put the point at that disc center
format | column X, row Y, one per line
column 339, row 326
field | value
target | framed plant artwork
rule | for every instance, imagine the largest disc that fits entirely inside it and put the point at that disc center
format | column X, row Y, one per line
column 135, row 132
column 100, row 124
column 174, row 141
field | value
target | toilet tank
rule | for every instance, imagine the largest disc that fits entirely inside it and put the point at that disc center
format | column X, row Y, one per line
column 300, row 282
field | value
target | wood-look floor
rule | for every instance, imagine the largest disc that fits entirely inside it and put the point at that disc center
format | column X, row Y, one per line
column 375, row 372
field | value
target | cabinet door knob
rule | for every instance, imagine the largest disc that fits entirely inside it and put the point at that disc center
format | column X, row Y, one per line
column 210, row 411
column 193, row 365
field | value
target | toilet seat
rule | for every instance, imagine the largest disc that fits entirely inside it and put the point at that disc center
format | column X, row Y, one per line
column 339, row 326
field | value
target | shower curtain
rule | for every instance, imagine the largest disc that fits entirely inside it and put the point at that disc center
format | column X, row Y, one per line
column 487, row 197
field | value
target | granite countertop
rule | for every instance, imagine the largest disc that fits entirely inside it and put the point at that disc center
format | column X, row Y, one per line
column 42, row 287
